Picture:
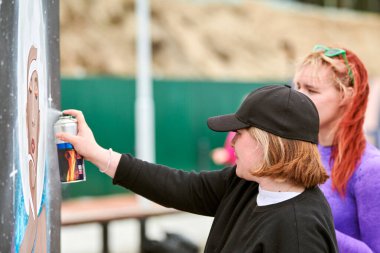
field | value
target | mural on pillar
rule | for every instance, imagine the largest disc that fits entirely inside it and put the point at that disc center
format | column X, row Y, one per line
column 31, row 223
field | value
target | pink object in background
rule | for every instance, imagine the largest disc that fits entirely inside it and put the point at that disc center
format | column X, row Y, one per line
column 226, row 154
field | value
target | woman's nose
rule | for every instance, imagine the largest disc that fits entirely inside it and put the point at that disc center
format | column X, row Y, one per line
column 233, row 141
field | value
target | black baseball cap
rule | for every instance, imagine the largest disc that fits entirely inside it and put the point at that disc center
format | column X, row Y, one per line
column 277, row 109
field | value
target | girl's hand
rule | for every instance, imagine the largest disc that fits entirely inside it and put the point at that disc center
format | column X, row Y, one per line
column 84, row 142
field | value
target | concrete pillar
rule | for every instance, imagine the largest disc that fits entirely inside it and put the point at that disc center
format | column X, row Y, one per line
column 30, row 192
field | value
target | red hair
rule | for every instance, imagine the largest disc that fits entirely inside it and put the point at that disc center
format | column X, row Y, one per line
column 349, row 140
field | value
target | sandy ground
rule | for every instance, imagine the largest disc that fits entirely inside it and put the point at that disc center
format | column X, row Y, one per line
column 124, row 235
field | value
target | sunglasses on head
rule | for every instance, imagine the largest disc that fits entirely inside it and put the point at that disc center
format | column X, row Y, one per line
column 333, row 52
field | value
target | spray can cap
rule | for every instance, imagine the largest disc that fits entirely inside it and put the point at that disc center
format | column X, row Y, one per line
column 67, row 116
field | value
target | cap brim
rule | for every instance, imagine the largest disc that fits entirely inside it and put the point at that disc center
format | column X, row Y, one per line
column 225, row 123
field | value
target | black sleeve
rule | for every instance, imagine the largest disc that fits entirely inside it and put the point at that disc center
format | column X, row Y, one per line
column 198, row 193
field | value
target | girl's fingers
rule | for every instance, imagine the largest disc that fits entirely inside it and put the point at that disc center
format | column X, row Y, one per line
column 79, row 116
column 66, row 137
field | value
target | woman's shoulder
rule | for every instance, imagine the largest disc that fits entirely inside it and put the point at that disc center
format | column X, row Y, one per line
column 371, row 154
column 370, row 161
column 366, row 179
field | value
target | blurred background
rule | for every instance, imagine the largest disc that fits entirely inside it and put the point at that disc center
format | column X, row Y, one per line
column 205, row 56
column 233, row 40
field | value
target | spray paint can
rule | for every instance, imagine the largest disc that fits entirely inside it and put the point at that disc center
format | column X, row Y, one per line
column 71, row 164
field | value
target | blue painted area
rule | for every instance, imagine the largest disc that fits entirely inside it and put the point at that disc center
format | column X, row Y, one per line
column 21, row 219
column 65, row 145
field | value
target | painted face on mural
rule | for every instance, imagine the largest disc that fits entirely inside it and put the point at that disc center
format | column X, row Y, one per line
column 32, row 113
column 30, row 233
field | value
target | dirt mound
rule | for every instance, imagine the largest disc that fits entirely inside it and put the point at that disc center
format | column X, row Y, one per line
column 250, row 40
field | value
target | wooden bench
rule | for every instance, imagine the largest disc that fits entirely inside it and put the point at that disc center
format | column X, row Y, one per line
column 110, row 208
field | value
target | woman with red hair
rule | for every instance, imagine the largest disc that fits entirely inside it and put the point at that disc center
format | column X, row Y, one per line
column 337, row 82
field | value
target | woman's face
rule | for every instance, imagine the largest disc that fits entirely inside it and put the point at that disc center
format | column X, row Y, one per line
column 316, row 82
column 32, row 110
column 249, row 154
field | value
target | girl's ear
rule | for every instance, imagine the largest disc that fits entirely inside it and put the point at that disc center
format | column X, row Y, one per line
column 347, row 96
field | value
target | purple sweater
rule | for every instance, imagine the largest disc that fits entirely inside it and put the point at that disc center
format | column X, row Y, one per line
column 357, row 215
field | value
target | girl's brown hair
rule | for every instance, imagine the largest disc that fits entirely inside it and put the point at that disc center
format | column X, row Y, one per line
column 349, row 140
column 293, row 160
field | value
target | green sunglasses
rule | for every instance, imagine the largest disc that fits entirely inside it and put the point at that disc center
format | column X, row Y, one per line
column 333, row 52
